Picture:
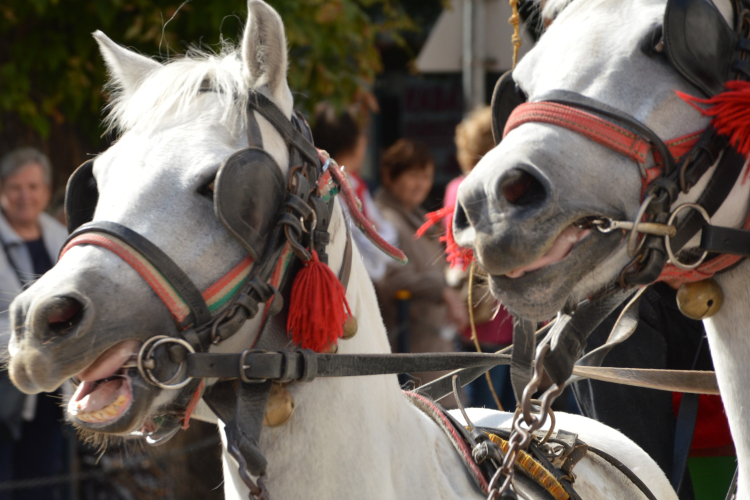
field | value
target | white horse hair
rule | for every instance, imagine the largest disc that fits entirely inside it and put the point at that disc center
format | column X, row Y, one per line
column 349, row 437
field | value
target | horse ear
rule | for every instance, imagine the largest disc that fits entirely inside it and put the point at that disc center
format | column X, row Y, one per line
column 127, row 68
column 264, row 47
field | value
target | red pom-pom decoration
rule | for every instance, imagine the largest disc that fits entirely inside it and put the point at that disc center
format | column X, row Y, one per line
column 318, row 307
column 454, row 254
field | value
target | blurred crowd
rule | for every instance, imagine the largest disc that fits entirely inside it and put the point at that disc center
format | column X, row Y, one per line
column 424, row 303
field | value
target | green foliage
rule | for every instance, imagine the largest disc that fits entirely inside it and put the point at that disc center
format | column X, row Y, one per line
column 51, row 71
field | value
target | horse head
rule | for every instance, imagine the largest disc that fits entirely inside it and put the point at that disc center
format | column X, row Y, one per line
column 180, row 123
column 527, row 208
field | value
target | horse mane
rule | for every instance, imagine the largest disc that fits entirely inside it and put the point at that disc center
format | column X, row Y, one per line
column 552, row 8
column 172, row 93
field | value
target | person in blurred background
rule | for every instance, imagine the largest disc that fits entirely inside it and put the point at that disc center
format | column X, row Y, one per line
column 494, row 326
column 31, row 437
column 343, row 136
column 436, row 312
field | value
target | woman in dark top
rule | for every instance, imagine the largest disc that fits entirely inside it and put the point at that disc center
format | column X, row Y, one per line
column 30, row 426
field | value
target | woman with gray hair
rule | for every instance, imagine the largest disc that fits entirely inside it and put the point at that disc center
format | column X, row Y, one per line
column 30, row 426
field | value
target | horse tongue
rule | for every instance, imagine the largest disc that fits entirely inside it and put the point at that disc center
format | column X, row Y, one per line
column 560, row 249
column 110, row 361
column 104, row 394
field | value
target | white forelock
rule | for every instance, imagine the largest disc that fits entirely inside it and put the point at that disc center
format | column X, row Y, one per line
column 169, row 94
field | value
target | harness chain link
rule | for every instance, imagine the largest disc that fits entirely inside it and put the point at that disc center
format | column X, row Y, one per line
column 521, row 436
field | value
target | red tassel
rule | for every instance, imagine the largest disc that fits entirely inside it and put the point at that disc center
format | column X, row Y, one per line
column 318, row 307
column 730, row 112
column 454, row 254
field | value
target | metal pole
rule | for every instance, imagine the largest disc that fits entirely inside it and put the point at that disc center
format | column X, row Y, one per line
column 467, row 60
column 473, row 54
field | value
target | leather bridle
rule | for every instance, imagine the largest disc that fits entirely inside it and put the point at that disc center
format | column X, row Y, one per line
column 654, row 236
column 239, row 398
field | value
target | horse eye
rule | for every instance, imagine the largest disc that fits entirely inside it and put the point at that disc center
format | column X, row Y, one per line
column 207, row 190
column 653, row 43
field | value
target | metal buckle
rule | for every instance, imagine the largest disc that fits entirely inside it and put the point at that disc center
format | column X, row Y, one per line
column 244, row 366
column 146, row 363
column 672, row 258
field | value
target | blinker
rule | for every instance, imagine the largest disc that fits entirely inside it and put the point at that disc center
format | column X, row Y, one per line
column 81, row 196
column 248, row 195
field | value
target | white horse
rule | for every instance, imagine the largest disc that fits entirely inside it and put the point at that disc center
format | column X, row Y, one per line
column 349, row 437
column 539, row 260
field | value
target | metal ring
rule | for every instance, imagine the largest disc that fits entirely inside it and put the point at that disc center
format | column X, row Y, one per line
column 672, row 258
column 148, row 349
column 634, row 248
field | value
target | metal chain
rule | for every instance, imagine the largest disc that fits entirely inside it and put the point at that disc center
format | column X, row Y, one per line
column 525, row 423
column 258, row 491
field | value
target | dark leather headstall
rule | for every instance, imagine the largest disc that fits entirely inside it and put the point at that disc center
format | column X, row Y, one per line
column 240, row 396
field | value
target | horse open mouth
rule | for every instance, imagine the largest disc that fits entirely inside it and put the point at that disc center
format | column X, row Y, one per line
column 561, row 248
column 105, row 392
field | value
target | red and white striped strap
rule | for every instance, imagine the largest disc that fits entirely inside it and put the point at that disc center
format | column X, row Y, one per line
column 597, row 129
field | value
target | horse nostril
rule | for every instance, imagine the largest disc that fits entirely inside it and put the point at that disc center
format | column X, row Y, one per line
column 63, row 315
column 460, row 220
column 521, row 188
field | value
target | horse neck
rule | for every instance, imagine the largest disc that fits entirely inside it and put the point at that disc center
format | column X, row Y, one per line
column 357, row 437
column 730, row 351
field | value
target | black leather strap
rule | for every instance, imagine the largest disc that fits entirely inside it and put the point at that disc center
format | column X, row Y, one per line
column 161, row 261
column 718, row 188
column 254, row 136
column 524, row 349
column 725, row 240
column 273, row 114
column 569, row 335
column 244, row 429
column 626, row 471
column 346, row 266
column 683, row 437
column 306, row 365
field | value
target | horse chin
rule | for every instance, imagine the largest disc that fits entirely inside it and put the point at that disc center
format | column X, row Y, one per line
column 541, row 293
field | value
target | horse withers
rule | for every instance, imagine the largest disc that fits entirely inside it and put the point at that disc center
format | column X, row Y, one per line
column 114, row 311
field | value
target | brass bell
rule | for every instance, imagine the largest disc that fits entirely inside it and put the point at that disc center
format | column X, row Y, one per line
column 280, row 407
column 700, row 300
column 350, row 327
column 333, row 348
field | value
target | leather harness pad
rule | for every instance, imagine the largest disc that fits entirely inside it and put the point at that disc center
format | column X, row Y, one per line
column 81, row 196
column 699, row 44
column 505, row 98
column 248, row 194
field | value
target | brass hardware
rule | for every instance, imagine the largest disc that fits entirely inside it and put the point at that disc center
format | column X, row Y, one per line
column 700, row 300
column 280, row 407
column 350, row 327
